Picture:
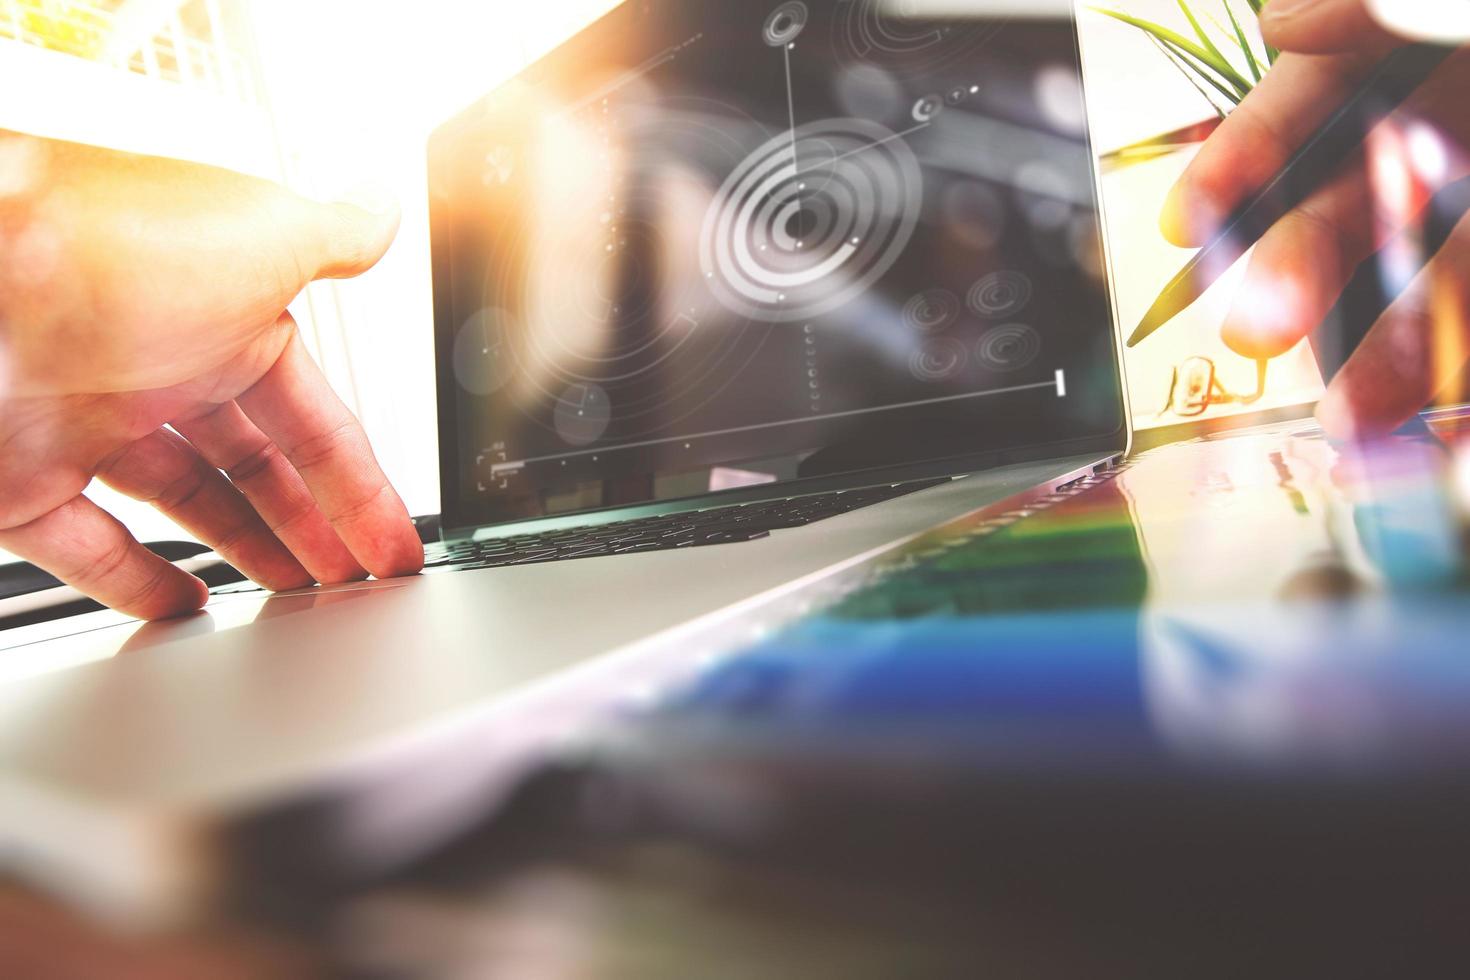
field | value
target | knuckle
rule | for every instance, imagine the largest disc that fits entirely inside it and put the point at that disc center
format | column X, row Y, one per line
column 357, row 508
column 1314, row 217
column 318, row 449
column 104, row 566
column 293, row 516
column 1266, row 133
column 182, row 491
column 231, row 537
column 254, row 463
column 145, row 591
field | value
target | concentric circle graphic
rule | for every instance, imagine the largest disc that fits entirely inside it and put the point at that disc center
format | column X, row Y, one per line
column 896, row 35
column 931, row 311
column 1009, row 348
column 875, row 27
column 927, row 108
column 811, row 219
column 590, row 320
column 785, row 23
column 938, row 359
column 1001, row 294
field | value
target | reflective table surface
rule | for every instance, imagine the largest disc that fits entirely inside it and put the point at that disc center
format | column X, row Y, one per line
column 1208, row 715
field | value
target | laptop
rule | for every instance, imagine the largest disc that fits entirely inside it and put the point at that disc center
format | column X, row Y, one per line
column 729, row 299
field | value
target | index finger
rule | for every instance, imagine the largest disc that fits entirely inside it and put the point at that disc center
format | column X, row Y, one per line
column 1252, row 145
column 90, row 550
column 295, row 407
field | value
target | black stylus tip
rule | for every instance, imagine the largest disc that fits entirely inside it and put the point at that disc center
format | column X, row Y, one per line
column 1158, row 315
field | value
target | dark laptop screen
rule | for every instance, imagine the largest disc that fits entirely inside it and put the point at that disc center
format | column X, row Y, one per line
column 708, row 245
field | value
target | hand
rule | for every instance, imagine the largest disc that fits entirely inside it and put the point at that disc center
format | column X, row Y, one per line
column 143, row 341
column 1299, row 269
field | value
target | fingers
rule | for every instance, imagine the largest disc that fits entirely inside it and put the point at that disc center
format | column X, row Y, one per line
column 1323, row 26
column 1252, row 145
column 88, row 549
column 297, row 410
column 352, row 237
column 1301, row 267
column 1419, row 344
column 258, row 468
column 164, row 470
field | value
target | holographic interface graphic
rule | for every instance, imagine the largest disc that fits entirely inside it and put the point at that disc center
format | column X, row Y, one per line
column 800, row 238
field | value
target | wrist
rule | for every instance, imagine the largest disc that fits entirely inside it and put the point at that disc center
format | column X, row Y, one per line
column 36, row 292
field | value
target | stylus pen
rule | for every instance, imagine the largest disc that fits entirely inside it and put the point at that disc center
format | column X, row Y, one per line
column 1393, row 81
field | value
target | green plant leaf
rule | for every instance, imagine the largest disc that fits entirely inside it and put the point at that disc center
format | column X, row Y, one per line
column 1233, row 76
column 1204, row 37
column 1204, row 73
column 1245, row 45
column 1179, row 42
column 1190, row 75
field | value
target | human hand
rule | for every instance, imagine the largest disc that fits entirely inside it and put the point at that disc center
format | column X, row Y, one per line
column 143, row 340
column 1301, row 266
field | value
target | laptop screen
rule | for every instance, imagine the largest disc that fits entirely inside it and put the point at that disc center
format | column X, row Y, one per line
column 709, row 245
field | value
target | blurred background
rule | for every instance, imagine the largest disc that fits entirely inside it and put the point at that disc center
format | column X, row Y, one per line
column 336, row 96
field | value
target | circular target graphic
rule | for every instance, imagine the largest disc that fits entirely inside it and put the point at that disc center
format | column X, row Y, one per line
column 811, row 219
column 937, row 360
column 1001, row 294
column 1009, row 348
column 596, row 303
column 931, row 311
column 899, row 36
column 874, row 26
column 582, row 414
column 482, row 361
column 927, row 108
column 785, row 23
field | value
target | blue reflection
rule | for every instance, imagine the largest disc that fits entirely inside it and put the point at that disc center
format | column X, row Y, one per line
column 1187, row 613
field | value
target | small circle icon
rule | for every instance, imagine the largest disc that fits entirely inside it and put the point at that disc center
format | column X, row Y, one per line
column 785, row 24
column 1009, row 348
column 938, row 359
column 582, row 414
column 1001, row 294
column 931, row 311
column 927, row 108
column 482, row 358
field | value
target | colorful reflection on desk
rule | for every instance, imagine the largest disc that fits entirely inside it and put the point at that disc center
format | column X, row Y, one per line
column 1264, row 601
column 1207, row 714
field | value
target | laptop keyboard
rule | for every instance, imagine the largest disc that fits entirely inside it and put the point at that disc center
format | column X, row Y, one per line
column 694, row 529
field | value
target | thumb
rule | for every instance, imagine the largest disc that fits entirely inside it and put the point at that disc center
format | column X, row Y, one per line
column 354, row 233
